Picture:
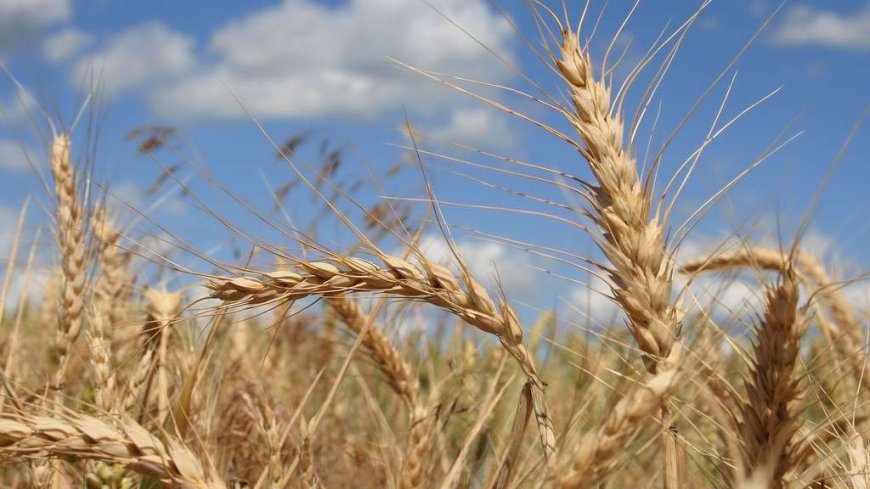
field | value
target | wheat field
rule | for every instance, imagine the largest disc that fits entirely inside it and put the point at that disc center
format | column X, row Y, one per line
column 367, row 362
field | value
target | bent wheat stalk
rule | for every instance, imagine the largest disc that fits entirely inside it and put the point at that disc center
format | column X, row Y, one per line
column 429, row 283
column 845, row 333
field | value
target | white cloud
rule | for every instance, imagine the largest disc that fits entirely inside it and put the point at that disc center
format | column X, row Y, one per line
column 477, row 125
column 302, row 58
column 65, row 44
column 146, row 56
column 519, row 273
column 17, row 106
column 804, row 25
column 858, row 294
column 12, row 156
column 490, row 263
column 724, row 296
column 20, row 19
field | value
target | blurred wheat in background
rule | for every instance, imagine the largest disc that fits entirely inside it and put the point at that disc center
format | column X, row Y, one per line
column 362, row 344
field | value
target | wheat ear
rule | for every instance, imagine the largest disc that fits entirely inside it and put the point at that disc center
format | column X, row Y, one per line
column 859, row 459
column 126, row 443
column 307, row 474
column 631, row 237
column 770, row 417
column 136, row 383
column 162, row 307
column 113, row 280
column 71, row 241
column 641, row 269
column 100, row 358
column 385, row 355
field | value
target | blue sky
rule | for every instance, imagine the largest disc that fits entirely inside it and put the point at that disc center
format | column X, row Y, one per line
column 322, row 67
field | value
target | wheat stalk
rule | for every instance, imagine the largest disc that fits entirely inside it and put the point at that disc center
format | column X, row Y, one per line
column 126, row 443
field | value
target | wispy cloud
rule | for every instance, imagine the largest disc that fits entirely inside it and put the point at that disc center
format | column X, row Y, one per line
column 65, row 44
column 13, row 156
column 805, row 25
column 145, row 57
column 481, row 126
